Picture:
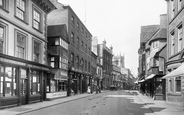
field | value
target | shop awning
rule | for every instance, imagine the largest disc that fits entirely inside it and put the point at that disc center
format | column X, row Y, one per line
column 141, row 81
column 150, row 76
column 153, row 52
column 177, row 72
column 61, row 75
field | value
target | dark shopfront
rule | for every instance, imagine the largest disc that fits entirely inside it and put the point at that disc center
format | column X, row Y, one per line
column 78, row 82
column 22, row 82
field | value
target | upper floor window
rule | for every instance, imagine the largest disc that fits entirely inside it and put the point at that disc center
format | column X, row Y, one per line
column 86, row 48
column 89, row 49
column 72, row 60
column 72, row 38
column 82, row 46
column 2, row 29
column 20, row 9
column 77, row 62
column 36, row 19
column 172, row 44
column 180, row 38
column 54, row 62
column 172, row 8
column 64, row 44
column 4, row 4
column 179, row 4
column 21, row 45
column 78, row 25
column 36, row 55
column 1, row 2
column 77, row 42
column 85, row 65
column 72, row 19
column 63, row 62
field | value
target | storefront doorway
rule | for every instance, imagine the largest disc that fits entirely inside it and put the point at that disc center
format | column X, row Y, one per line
column 23, row 91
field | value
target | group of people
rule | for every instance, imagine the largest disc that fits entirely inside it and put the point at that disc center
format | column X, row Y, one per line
column 91, row 89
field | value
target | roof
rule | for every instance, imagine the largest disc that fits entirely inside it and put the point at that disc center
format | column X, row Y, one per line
column 147, row 32
column 58, row 31
column 160, row 34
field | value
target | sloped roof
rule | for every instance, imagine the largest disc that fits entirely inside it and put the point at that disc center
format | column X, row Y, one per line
column 160, row 34
column 58, row 31
column 147, row 32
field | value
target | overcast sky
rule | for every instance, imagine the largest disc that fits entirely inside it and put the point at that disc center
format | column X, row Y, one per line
column 119, row 22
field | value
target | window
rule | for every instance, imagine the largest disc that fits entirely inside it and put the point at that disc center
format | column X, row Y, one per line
column 64, row 44
column 63, row 63
column 72, row 60
column 82, row 46
column 4, row 4
column 21, row 45
column 89, row 67
column 54, row 62
column 72, row 38
column 2, row 32
column 82, row 31
column 172, row 44
column 77, row 62
column 178, row 84
column 72, row 19
column 85, row 65
column 180, row 38
column 170, row 85
column 82, row 64
column 172, row 8
column 77, row 42
column 1, row 2
column 179, row 4
column 36, row 55
column 89, row 51
column 36, row 19
column 20, row 9
column 8, row 81
column 86, row 48
column 34, row 83
column 78, row 25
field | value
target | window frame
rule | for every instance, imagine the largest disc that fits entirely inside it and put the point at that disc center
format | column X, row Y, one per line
column 36, row 9
column 16, row 44
column 3, row 37
column 178, row 80
column 38, row 79
column 25, row 13
column 39, row 52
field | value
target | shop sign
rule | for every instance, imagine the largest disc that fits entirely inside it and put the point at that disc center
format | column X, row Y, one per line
column 56, row 95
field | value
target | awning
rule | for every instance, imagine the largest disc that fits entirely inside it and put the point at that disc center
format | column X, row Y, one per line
column 177, row 72
column 150, row 76
column 141, row 81
column 61, row 75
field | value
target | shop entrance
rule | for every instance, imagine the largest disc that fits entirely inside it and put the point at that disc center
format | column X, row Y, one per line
column 23, row 91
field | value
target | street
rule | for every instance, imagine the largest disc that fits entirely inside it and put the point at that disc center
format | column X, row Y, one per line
column 110, row 103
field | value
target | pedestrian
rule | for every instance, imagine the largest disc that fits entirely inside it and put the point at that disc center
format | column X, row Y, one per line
column 89, row 89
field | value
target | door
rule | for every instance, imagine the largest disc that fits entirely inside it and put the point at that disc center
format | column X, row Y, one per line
column 23, row 91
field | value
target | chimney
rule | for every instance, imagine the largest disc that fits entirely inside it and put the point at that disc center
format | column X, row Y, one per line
column 163, row 21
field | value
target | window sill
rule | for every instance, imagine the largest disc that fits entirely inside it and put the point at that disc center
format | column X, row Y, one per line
column 4, row 9
column 21, row 20
column 38, row 30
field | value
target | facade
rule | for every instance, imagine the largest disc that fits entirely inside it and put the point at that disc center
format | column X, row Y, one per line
column 58, row 42
column 105, row 55
column 95, row 79
column 79, row 47
column 175, row 45
column 146, row 33
column 23, row 47
column 116, row 73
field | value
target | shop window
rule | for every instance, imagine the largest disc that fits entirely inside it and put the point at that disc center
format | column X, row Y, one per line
column 178, row 84
column 34, row 83
column 62, row 86
column 8, row 81
column 36, row 55
column 52, row 85
column 21, row 45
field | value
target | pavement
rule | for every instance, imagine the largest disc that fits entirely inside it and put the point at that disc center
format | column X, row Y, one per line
column 158, row 107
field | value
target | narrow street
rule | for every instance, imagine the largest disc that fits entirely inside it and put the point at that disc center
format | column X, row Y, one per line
column 110, row 103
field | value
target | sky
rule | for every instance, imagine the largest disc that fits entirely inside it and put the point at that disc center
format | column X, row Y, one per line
column 119, row 22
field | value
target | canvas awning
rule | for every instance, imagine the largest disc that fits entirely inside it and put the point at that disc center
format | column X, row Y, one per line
column 175, row 73
column 61, row 75
column 153, row 52
column 150, row 76
column 141, row 81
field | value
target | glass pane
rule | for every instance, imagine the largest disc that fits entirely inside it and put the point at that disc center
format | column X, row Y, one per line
column 14, row 82
column 2, row 79
column 1, row 32
column 8, row 81
column 23, row 73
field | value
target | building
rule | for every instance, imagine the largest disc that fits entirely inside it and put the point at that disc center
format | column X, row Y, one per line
column 23, row 47
column 154, row 64
column 95, row 79
column 79, row 47
column 146, row 33
column 175, row 44
column 105, row 56
column 57, row 46
column 116, row 73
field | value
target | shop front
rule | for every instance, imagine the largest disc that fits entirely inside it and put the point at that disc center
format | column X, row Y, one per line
column 21, row 81
column 57, row 84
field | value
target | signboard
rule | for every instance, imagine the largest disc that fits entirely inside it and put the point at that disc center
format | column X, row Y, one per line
column 56, row 95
